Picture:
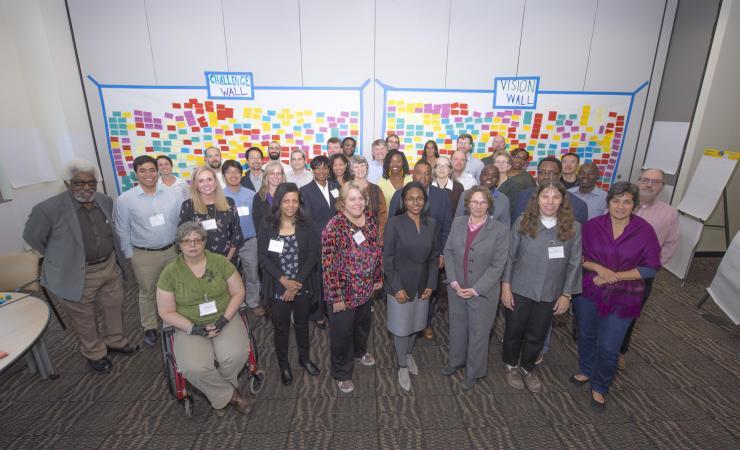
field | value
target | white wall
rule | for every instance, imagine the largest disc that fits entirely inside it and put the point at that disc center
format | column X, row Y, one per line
column 41, row 94
column 716, row 120
column 571, row 44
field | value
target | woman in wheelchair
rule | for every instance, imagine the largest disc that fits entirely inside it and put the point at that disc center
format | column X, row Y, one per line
column 199, row 294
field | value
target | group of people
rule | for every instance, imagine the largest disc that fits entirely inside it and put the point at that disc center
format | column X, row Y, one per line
column 322, row 242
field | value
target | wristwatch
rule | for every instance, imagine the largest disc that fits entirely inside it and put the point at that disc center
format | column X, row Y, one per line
column 568, row 296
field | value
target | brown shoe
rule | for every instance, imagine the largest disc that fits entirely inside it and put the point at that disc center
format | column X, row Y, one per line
column 621, row 363
column 514, row 378
column 258, row 311
column 240, row 403
column 428, row 333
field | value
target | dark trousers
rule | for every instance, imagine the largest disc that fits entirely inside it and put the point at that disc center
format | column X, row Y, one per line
column 628, row 337
column 526, row 328
column 348, row 334
column 281, row 322
column 598, row 343
column 434, row 299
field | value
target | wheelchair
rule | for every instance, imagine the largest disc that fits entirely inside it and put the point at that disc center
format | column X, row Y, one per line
column 178, row 385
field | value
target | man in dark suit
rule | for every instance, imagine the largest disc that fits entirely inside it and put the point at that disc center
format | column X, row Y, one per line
column 253, row 178
column 440, row 210
column 83, row 262
column 548, row 169
column 319, row 201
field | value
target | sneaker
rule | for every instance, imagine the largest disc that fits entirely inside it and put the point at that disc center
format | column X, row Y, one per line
column 532, row 381
column 411, row 364
column 258, row 311
column 403, row 378
column 367, row 360
column 150, row 338
column 346, row 386
column 514, row 378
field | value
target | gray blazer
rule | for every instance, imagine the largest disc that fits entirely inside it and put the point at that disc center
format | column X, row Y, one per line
column 53, row 230
column 501, row 208
column 410, row 259
column 486, row 257
column 531, row 271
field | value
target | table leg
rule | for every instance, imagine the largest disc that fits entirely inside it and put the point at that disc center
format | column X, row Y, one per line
column 30, row 362
column 43, row 362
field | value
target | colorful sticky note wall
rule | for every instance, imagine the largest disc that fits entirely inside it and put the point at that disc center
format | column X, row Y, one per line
column 187, row 127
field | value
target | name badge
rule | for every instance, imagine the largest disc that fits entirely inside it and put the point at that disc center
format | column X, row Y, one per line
column 243, row 210
column 156, row 220
column 556, row 252
column 209, row 224
column 359, row 237
column 207, row 308
column 334, row 192
column 276, row 246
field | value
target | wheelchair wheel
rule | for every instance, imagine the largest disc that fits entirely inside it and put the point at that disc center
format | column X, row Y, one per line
column 188, row 404
column 257, row 381
column 169, row 366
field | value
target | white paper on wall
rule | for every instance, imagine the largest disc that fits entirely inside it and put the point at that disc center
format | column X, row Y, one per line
column 706, row 186
column 726, row 284
column 23, row 158
column 666, row 146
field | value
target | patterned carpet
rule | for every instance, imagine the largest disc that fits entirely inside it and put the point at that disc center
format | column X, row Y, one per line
column 681, row 389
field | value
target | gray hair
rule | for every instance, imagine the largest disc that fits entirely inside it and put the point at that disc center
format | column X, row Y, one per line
column 75, row 166
column 189, row 227
column 621, row 188
column 298, row 150
column 662, row 174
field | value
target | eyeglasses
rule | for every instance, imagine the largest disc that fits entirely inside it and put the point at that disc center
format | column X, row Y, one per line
column 650, row 181
column 192, row 242
column 233, row 172
column 82, row 184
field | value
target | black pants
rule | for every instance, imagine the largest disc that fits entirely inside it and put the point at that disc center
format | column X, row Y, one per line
column 281, row 321
column 627, row 337
column 348, row 334
column 525, row 332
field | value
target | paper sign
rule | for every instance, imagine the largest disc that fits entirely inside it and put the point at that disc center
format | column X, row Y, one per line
column 156, row 220
column 276, row 246
column 555, row 252
column 209, row 224
column 230, row 85
column 359, row 237
column 516, row 92
column 334, row 193
column 243, row 210
column 207, row 308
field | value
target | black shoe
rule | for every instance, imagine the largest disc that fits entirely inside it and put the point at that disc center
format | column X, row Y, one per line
column 311, row 368
column 127, row 350
column 102, row 365
column 286, row 376
column 150, row 338
column 321, row 324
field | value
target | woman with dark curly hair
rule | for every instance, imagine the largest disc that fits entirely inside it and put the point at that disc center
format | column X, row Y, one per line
column 339, row 169
column 289, row 252
column 620, row 251
column 542, row 273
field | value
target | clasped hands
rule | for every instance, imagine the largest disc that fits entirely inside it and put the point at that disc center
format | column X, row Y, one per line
column 605, row 276
column 402, row 296
column 211, row 330
column 291, row 288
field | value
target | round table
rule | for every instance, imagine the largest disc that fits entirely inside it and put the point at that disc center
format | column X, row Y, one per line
column 23, row 320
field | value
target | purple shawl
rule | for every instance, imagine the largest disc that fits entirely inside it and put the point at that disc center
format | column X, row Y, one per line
column 637, row 246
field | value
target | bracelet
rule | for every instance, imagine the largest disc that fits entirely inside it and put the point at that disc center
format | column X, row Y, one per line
column 568, row 296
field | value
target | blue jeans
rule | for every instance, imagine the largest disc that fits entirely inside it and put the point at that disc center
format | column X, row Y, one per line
column 598, row 343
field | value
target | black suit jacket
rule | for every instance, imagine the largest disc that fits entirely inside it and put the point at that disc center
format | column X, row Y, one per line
column 439, row 209
column 580, row 210
column 410, row 256
column 247, row 182
column 315, row 206
column 309, row 254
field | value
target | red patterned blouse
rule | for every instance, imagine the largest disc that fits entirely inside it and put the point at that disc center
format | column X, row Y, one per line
column 351, row 269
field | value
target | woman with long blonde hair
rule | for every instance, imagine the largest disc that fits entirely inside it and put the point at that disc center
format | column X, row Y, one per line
column 216, row 213
column 274, row 176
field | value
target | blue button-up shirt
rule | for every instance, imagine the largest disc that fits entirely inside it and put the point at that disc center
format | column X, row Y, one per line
column 138, row 221
column 243, row 200
column 595, row 200
column 374, row 171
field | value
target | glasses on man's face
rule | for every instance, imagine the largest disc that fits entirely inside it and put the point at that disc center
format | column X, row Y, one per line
column 549, row 174
column 650, row 181
column 82, row 184
column 233, row 172
column 192, row 242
